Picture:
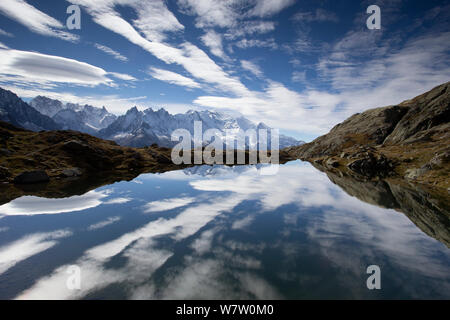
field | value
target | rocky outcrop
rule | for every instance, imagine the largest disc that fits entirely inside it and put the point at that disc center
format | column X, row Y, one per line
column 408, row 140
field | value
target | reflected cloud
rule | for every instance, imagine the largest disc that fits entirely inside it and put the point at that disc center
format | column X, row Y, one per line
column 31, row 205
column 28, row 246
column 117, row 201
column 167, row 204
column 103, row 224
column 225, row 257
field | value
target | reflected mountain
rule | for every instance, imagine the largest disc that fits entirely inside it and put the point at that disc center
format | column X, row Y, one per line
column 428, row 209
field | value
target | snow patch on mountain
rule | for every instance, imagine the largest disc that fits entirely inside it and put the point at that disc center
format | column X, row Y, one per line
column 70, row 116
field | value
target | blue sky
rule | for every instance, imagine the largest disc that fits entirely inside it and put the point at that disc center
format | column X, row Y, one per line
column 300, row 66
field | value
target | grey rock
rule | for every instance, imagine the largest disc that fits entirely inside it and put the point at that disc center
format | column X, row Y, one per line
column 72, row 172
column 428, row 113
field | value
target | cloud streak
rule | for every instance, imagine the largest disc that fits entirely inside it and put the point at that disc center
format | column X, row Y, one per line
column 34, row 19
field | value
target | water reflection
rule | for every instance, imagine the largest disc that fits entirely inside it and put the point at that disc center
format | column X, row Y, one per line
column 222, row 232
column 31, row 205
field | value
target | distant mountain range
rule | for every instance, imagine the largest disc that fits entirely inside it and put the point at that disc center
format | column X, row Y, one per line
column 135, row 128
column 87, row 119
column 138, row 128
column 19, row 113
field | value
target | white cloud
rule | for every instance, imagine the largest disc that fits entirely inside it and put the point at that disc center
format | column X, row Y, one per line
column 320, row 15
column 213, row 41
column 250, row 43
column 280, row 107
column 111, row 52
column 155, row 19
column 35, row 66
column 211, row 13
column 249, row 28
column 190, row 57
column 390, row 77
column 299, row 76
column 264, row 8
column 252, row 67
column 173, row 78
column 5, row 33
column 122, row 76
column 34, row 19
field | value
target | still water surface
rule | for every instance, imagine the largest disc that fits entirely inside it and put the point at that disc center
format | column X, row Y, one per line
column 216, row 233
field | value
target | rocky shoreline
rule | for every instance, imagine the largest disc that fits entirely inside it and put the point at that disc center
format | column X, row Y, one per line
column 407, row 141
column 28, row 157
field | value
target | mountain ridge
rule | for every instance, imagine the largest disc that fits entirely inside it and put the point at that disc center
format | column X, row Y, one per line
column 143, row 128
column 409, row 140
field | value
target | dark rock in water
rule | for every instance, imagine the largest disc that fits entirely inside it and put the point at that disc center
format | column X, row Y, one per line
column 31, row 177
column 4, row 173
column 371, row 166
column 72, row 172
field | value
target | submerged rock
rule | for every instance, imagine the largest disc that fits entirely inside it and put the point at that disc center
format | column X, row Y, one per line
column 28, row 177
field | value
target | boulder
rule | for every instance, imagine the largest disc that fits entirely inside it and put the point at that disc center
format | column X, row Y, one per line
column 72, row 172
column 29, row 177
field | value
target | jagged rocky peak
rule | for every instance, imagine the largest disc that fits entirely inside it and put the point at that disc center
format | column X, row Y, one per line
column 138, row 129
column 47, row 106
column 73, row 116
column 21, row 114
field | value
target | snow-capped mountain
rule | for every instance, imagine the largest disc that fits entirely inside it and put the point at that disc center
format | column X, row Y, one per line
column 84, row 118
column 19, row 113
column 142, row 128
